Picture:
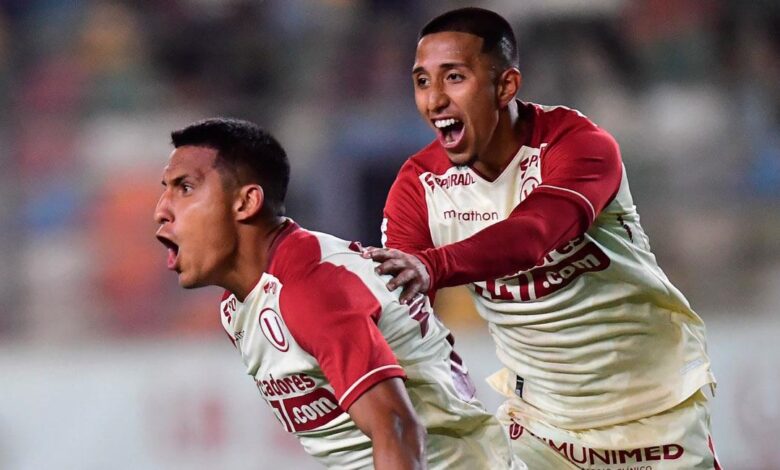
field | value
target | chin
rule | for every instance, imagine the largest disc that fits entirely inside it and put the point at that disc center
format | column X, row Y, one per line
column 460, row 159
column 189, row 283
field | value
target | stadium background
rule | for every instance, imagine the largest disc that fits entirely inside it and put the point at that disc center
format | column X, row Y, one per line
column 106, row 363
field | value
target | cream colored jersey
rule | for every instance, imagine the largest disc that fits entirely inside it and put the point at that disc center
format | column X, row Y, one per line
column 595, row 334
column 320, row 328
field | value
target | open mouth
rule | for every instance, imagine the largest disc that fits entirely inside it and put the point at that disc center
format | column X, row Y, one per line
column 173, row 251
column 450, row 131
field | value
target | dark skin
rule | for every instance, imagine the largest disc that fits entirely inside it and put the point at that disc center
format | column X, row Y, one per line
column 216, row 234
column 454, row 79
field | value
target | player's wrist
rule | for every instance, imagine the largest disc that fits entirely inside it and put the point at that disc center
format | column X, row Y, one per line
column 427, row 258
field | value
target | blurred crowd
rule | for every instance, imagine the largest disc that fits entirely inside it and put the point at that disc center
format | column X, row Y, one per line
column 91, row 90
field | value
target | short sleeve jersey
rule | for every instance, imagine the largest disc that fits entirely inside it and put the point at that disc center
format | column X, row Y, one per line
column 595, row 334
column 320, row 328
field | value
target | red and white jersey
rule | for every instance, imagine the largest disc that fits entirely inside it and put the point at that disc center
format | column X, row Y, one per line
column 593, row 335
column 320, row 328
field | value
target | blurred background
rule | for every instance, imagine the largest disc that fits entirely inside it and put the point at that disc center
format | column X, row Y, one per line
column 106, row 363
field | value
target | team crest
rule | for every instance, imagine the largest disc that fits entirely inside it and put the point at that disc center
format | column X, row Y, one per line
column 272, row 326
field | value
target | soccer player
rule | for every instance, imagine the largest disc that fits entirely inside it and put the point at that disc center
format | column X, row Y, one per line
column 360, row 378
column 605, row 361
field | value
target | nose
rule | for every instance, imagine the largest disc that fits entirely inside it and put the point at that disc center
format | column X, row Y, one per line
column 437, row 99
column 162, row 212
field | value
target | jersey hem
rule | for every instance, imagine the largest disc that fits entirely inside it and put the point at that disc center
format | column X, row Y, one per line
column 580, row 424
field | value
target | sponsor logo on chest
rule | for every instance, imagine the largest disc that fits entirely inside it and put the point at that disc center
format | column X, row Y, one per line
column 297, row 402
column 449, row 181
column 561, row 267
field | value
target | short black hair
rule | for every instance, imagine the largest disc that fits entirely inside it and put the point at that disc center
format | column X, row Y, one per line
column 246, row 153
column 498, row 38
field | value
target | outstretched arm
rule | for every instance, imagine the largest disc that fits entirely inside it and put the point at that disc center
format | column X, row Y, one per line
column 385, row 414
column 580, row 175
column 537, row 226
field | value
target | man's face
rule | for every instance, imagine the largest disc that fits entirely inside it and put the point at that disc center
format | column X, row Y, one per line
column 455, row 92
column 195, row 217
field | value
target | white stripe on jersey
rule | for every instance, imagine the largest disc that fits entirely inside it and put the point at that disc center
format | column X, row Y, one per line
column 365, row 376
column 590, row 206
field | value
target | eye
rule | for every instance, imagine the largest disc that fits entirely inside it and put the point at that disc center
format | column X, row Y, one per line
column 455, row 77
column 186, row 188
column 421, row 81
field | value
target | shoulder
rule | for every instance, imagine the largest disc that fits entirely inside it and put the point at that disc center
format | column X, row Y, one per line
column 335, row 286
column 323, row 267
column 296, row 255
column 418, row 169
column 431, row 158
column 554, row 123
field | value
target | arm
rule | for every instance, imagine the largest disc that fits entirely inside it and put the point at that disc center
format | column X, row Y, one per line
column 580, row 176
column 537, row 226
column 385, row 414
column 334, row 316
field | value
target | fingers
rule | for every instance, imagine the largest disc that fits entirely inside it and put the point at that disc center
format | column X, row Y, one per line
column 411, row 290
column 393, row 266
column 407, row 271
column 407, row 276
column 381, row 254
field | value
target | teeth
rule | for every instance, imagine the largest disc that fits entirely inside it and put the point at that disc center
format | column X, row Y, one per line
column 442, row 123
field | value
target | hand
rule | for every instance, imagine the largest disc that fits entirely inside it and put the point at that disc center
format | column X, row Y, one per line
column 407, row 271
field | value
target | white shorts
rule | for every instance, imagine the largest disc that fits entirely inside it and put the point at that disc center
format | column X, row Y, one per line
column 678, row 438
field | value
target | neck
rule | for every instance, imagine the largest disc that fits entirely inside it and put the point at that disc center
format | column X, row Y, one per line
column 252, row 255
column 507, row 138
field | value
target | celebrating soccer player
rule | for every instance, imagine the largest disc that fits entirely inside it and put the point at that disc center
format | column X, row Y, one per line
column 605, row 361
column 358, row 376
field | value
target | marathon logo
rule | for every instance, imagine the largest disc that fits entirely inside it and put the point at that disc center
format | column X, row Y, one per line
column 448, row 181
column 470, row 216
column 545, row 280
column 307, row 412
column 595, row 459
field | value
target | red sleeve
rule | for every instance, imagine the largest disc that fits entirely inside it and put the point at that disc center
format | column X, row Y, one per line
column 586, row 168
column 580, row 176
column 333, row 316
column 406, row 214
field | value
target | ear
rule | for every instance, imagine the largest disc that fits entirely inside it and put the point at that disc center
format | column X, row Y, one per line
column 509, row 83
column 248, row 202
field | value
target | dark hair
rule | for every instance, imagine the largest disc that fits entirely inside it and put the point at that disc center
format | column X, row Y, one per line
column 246, row 153
column 498, row 39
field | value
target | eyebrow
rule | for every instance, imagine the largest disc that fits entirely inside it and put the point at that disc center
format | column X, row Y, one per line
column 175, row 181
column 444, row 66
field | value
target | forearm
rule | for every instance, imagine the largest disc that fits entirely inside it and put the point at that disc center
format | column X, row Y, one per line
column 386, row 415
column 402, row 446
column 516, row 244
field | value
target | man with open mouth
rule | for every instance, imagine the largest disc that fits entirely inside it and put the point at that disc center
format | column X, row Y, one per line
column 605, row 363
column 362, row 379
